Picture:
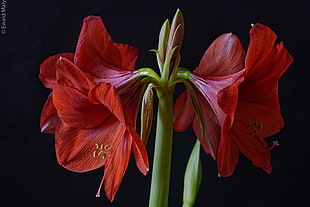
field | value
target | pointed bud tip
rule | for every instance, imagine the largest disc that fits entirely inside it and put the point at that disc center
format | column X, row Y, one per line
column 179, row 12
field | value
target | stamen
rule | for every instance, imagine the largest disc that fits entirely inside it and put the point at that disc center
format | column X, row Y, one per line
column 255, row 126
column 102, row 153
column 100, row 150
column 99, row 189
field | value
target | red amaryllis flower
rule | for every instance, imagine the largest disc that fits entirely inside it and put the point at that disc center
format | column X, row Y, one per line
column 236, row 118
column 91, row 108
column 258, row 113
column 211, row 96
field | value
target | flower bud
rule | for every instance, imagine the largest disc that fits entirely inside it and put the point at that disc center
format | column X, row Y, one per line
column 176, row 35
column 170, row 39
column 163, row 40
column 192, row 177
column 147, row 113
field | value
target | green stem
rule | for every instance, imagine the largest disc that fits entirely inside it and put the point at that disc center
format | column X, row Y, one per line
column 163, row 149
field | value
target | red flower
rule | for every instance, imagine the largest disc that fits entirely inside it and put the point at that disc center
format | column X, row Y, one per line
column 211, row 96
column 231, row 115
column 258, row 113
column 94, row 105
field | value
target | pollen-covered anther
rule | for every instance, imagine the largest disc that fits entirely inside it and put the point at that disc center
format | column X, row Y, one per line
column 100, row 151
column 255, row 126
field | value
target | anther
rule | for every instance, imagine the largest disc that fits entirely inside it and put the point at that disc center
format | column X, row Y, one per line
column 255, row 126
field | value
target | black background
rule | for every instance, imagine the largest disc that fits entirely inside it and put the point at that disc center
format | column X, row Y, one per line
column 29, row 172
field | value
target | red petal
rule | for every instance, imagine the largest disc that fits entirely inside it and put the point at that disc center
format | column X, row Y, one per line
column 264, row 69
column 212, row 129
column 270, row 118
column 262, row 40
column 261, row 84
column 252, row 146
column 218, row 99
column 131, row 101
column 48, row 69
column 74, row 108
column 139, row 151
column 224, row 57
column 95, row 47
column 108, row 96
column 242, row 138
column 129, row 56
column 49, row 118
column 183, row 112
column 82, row 150
column 227, row 157
column 117, row 164
column 69, row 75
column 265, row 63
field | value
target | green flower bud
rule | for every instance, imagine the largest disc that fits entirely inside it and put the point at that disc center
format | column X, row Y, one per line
column 176, row 34
column 163, row 40
column 147, row 113
column 192, row 177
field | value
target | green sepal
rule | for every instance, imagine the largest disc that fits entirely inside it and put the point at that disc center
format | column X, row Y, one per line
column 150, row 73
column 153, row 50
column 184, row 73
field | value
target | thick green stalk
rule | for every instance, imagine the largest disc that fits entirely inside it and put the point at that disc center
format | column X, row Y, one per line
column 163, row 149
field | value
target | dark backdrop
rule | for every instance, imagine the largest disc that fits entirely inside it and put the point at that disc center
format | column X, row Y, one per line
column 35, row 30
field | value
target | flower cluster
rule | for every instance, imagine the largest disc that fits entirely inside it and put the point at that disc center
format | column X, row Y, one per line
column 231, row 99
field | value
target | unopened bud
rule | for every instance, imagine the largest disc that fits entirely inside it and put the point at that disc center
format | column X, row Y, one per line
column 163, row 40
column 192, row 177
column 176, row 34
column 147, row 113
